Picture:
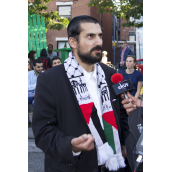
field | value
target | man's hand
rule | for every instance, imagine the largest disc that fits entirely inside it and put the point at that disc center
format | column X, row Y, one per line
column 33, row 96
column 122, row 62
column 130, row 107
column 84, row 142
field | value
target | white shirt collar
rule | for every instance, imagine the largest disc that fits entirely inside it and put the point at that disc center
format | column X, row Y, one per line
column 88, row 75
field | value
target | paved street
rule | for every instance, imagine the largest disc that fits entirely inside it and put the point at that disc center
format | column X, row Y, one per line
column 35, row 155
column 35, row 162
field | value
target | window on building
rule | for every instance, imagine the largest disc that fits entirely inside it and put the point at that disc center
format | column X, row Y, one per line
column 64, row 11
column 62, row 44
column 131, row 36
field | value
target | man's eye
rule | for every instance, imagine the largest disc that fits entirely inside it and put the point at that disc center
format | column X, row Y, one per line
column 90, row 36
column 100, row 36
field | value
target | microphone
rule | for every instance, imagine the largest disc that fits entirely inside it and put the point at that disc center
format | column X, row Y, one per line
column 121, row 86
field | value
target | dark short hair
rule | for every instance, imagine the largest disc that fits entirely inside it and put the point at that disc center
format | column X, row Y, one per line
column 133, row 56
column 50, row 45
column 37, row 61
column 30, row 55
column 124, row 40
column 74, row 29
column 55, row 58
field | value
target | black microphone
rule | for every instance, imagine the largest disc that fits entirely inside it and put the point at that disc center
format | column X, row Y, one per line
column 121, row 86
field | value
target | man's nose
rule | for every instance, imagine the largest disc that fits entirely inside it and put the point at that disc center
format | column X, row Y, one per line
column 99, row 41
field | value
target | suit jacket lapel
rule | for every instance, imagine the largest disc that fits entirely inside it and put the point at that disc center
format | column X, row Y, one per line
column 112, row 97
column 76, row 102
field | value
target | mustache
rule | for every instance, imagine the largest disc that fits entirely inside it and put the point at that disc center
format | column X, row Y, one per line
column 96, row 48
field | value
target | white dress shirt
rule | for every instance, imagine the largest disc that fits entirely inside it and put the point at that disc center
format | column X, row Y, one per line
column 91, row 82
column 32, row 79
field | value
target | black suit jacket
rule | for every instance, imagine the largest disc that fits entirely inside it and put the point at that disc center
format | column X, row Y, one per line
column 57, row 119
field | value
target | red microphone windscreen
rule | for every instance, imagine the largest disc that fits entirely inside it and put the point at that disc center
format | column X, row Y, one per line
column 117, row 77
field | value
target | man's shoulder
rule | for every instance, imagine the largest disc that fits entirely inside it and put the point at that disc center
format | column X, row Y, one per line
column 138, row 73
column 107, row 69
column 31, row 72
column 55, row 75
column 128, row 49
column 54, row 53
column 55, row 71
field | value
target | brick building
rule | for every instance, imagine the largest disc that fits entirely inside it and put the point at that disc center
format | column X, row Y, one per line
column 127, row 33
column 70, row 9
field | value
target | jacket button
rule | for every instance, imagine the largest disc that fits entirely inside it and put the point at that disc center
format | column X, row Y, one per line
column 95, row 170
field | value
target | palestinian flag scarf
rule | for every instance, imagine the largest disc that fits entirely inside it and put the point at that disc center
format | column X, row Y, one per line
column 107, row 138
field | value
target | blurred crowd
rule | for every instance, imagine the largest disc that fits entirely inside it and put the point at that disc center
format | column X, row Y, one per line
column 46, row 60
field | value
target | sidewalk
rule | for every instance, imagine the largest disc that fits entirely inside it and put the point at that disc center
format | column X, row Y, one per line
column 35, row 155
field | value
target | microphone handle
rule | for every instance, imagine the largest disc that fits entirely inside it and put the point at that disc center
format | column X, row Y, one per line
column 126, row 97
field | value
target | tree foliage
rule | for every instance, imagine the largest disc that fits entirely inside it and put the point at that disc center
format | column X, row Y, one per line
column 124, row 9
column 52, row 18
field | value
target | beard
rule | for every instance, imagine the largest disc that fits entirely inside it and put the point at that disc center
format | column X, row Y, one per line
column 38, row 71
column 88, row 58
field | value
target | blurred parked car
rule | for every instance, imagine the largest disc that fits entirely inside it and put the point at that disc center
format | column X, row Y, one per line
column 139, row 65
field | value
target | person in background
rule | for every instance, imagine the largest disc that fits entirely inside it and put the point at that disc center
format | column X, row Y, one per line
column 51, row 53
column 136, row 79
column 45, row 59
column 32, row 80
column 124, row 52
column 31, row 56
column 56, row 61
column 104, row 57
column 131, row 73
column 130, row 105
column 29, row 66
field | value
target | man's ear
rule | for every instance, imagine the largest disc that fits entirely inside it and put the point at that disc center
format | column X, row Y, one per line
column 34, row 67
column 73, row 42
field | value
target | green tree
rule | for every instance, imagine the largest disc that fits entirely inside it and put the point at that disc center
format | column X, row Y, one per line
column 128, row 10
column 52, row 18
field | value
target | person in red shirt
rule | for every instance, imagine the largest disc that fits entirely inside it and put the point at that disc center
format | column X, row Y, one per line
column 45, row 59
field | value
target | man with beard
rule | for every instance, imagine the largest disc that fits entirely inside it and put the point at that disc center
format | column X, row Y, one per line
column 76, row 116
column 32, row 79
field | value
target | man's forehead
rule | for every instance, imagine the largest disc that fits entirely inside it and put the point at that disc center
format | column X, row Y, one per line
column 39, row 64
column 56, row 60
column 90, row 27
